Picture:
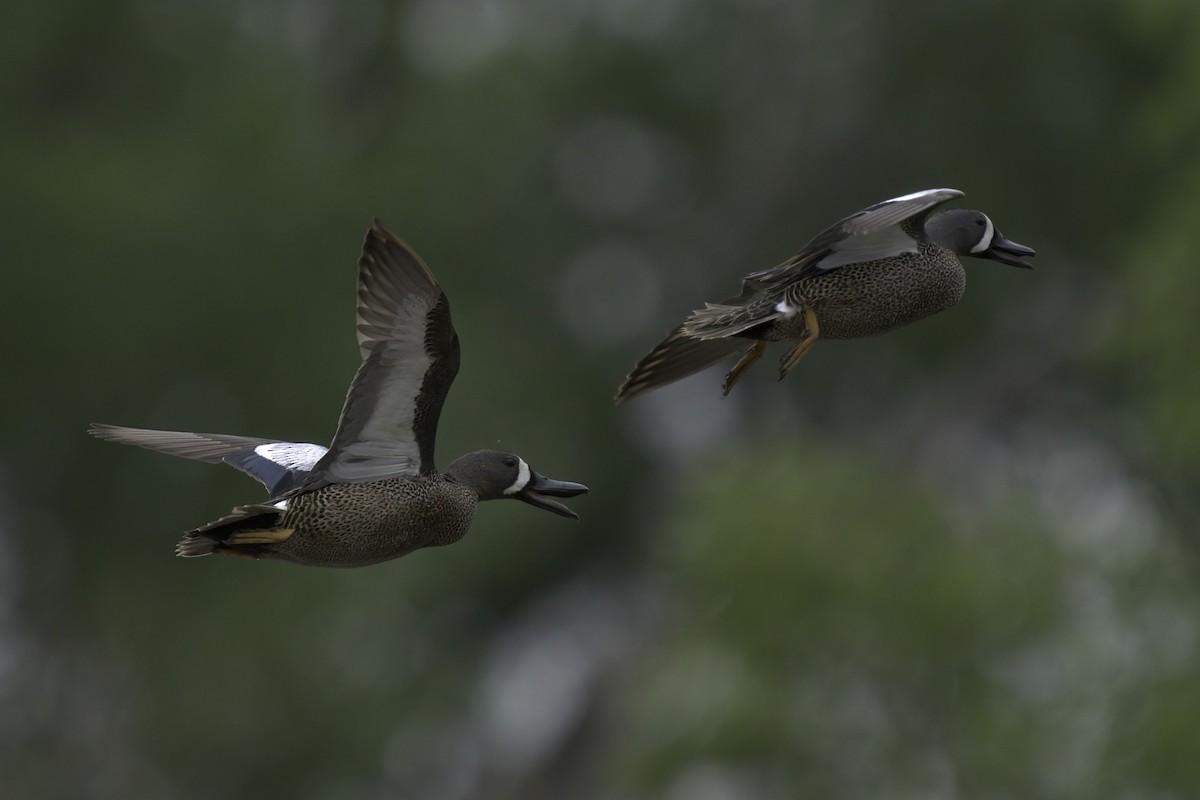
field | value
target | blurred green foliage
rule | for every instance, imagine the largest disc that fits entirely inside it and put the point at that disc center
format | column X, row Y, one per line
column 957, row 561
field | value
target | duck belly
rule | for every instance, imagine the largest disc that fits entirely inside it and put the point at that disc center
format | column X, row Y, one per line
column 354, row 525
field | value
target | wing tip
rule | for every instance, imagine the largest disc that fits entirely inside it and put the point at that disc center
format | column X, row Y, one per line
column 112, row 433
column 381, row 246
column 380, row 229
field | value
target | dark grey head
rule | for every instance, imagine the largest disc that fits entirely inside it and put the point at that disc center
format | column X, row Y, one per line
column 496, row 474
column 971, row 233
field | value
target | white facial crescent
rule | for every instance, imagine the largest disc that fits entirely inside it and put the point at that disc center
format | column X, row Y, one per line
column 522, row 477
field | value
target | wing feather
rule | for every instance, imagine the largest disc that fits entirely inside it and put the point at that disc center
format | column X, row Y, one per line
column 410, row 352
column 875, row 232
column 672, row 359
column 278, row 465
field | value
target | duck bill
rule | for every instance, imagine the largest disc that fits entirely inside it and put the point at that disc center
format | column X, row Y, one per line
column 540, row 489
column 1009, row 252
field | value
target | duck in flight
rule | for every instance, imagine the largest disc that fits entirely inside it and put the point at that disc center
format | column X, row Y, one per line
column 374, row 494
column 890, row 264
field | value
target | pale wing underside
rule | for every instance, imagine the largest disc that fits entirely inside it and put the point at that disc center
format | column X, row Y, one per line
column 410, row 357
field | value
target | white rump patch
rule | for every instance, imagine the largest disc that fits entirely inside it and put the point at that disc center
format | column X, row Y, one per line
column 281, row 505
column 783, row 308
column 522, row 477
column 293, row 455
column 985, row 241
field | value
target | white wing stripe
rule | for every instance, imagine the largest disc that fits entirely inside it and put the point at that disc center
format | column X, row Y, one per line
column 923, row 194
column 292, row 455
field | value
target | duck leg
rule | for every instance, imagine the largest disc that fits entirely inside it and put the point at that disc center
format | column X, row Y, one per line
column 744, row 363
column 812, row 330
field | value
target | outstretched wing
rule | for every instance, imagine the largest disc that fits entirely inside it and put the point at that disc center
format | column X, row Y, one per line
column 876, row 232
column 410, row 356
column 280, row 466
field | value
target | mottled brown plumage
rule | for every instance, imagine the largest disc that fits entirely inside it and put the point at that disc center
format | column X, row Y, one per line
column 880, row 269
column 345, row 524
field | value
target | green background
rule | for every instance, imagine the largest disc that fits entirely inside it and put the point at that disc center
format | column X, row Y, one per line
column 958, row 561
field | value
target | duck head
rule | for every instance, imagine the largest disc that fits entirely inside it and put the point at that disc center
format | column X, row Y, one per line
column 497, row 475
column 971, row 233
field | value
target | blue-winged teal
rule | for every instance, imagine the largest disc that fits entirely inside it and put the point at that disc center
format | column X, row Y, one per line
column 374, row 493
column 884, row 267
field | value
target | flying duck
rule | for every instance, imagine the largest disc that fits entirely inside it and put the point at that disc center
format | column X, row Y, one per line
column 890, row 264
column 374, row 494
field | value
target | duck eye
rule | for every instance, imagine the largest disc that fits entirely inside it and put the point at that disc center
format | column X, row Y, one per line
column 979, row 222
column 510, row 462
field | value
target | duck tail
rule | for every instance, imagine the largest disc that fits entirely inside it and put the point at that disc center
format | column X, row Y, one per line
column 721, row 320
column 193, row 545
column 673, row 359
column 247, row 531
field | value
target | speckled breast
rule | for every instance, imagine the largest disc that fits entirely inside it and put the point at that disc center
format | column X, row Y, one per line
column 356, row 524
column 875, row 297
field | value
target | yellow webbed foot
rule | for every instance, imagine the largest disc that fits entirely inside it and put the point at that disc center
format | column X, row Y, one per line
column 744, row 363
